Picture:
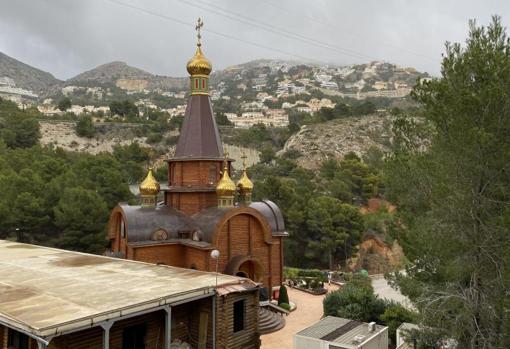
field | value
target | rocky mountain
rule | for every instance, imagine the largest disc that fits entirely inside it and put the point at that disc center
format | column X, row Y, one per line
column 336, row 138
column 17, row 74
column 126, row 77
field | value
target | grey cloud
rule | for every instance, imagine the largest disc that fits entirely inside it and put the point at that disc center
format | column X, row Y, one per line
column 66, row 37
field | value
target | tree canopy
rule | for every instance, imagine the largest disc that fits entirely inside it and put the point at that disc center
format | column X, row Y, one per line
column 453, row 193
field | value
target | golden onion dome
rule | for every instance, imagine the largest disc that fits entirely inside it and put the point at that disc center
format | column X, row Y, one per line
column 226, row 186
column 244, row 184
column 149, row 186
column 198, row 64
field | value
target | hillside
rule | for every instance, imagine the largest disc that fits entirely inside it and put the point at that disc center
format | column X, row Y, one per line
column 336, row 138
column 14, row 73
column 125, row 77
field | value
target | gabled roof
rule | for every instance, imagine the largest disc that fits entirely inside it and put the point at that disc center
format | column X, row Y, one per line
column 199, row 134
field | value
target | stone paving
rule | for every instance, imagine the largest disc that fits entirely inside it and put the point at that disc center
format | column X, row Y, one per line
column 309, row 311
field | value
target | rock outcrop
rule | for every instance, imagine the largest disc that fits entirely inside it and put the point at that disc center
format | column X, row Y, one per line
column 338, row 137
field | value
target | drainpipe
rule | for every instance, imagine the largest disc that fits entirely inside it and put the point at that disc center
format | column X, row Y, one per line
column 106, row 325
column 168, row 327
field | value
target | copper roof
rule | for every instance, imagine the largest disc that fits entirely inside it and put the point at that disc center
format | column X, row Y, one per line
column 199, row 134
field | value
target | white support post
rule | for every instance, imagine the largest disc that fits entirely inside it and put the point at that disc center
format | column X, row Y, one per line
column 168, row 327
column 106, row 333
column 41, row 345
column 213, row 301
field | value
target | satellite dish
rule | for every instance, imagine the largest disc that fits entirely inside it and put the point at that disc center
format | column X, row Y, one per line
column 215, row 254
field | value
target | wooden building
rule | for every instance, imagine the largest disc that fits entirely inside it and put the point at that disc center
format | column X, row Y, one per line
column 202, row 209
column 58, row 299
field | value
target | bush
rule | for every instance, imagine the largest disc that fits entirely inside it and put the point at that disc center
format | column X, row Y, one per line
column 154, row 137
column 85, row 127
column 394, row 315
column 354, row 302
column 285, row 306
column 283, row 296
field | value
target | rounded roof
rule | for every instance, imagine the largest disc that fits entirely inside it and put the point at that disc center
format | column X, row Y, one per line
column 149, row 186
column 273, row 215
column 245, row 184
column 143, row 222
column 198, row 64
column 226, row 186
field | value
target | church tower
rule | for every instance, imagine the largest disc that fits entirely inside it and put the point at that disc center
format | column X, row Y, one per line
column 196, row 168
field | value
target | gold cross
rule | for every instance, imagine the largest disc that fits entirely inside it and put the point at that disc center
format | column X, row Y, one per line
column 198, row 27
column 225, row 159
column 244, row 157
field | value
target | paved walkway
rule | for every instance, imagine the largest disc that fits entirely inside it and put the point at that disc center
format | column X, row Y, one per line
column 308, row 312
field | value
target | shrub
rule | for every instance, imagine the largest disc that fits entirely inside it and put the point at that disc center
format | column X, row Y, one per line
column 283, row 296
column 85, row 127
column 154, row 137
column 394, row 315
column 285, row 306
column 354, row 302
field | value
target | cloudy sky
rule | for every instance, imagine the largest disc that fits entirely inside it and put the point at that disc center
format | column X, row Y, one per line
column 67, row 37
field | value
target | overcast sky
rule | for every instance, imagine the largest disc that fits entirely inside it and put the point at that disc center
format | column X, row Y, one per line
column 67, row 37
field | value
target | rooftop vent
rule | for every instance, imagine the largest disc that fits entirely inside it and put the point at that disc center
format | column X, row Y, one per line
column 371, row 327
column 358, row 339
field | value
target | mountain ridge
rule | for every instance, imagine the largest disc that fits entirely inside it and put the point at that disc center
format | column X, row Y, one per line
column 24, row 75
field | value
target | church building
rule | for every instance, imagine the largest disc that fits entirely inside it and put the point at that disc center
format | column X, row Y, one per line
column 203, row 208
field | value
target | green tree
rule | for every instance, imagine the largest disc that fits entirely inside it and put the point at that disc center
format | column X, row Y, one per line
column 124, row 108
column 222, row 120
column 81, row 214
column 64, row 104
column 20, row 130
column 85, row 127
column 454, row 197
column 283, row 296
column 394, row 315
column 333, row 226
column 354, row 302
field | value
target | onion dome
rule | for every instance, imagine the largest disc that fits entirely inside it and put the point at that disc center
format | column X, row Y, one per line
column 149, row 186
column 244, row 184
column 226, row 186
column 198, row 64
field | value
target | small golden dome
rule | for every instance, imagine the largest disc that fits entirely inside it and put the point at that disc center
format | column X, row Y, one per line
column 149, row 186
column 198, row 64
column 244, row 184
column 226, row 186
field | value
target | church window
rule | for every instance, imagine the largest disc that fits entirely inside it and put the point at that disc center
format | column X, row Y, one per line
column 239, row 316
column 122, row 229
column 212, row 174
column 159, row 235
column 133, row 337
column 203, row 83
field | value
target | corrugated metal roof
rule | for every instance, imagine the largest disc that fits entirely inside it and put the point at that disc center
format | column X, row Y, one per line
column 326, row 327
column 46, row 291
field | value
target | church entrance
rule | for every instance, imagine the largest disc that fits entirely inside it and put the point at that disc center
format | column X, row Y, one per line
column 246, row 267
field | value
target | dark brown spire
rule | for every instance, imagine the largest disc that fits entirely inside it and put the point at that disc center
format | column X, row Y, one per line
column 199, row 134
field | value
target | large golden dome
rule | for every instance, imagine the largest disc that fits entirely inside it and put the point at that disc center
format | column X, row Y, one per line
column 244, row 184
column 149, row 186
column 198, row 64
column 226, row 186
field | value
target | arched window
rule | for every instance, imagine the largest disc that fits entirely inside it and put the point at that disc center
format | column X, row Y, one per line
column 159, row 235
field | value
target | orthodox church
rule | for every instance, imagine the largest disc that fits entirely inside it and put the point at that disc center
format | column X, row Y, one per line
column 203, row 208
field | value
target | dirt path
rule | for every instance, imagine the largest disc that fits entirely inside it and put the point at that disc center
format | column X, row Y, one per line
column 308, row 312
